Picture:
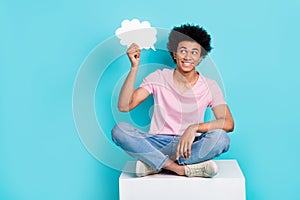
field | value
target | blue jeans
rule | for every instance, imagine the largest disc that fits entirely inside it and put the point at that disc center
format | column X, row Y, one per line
column 155, row 149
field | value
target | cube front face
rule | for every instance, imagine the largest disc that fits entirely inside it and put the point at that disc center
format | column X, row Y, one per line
column 228, row 184
column 182, row 190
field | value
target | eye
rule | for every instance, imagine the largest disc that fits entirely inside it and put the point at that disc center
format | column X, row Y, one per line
column 183, row 51
column 194, row 52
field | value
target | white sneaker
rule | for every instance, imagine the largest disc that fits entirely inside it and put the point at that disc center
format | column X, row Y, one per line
column 142, row 169
column 205, row 169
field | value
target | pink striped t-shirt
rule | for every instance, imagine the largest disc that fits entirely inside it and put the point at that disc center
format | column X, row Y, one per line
column 173, row 111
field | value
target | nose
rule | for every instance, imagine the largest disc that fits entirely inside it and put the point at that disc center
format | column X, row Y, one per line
column 187, row 56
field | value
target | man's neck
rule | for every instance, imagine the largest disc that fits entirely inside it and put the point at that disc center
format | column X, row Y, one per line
column 185, row 81
column 186, row 77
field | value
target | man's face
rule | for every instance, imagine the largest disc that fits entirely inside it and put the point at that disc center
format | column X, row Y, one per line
column 188, row 55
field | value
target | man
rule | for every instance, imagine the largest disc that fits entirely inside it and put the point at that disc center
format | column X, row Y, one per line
column 178, row 139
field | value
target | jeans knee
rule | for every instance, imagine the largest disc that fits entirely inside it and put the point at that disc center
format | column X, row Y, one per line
column 118, row 131
column 124, row 133
column 222, row 139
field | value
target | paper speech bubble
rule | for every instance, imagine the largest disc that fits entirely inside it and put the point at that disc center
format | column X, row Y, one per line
column 137, row 32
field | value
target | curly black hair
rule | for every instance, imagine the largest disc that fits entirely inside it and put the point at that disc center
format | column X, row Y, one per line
column 187, row 32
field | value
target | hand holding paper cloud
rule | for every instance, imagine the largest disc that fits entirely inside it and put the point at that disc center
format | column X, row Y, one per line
column 137, row 32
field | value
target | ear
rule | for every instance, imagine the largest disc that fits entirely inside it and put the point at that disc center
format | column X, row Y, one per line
column 174, row 55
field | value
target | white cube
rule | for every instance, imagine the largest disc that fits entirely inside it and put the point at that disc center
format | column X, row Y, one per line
column 229, row 184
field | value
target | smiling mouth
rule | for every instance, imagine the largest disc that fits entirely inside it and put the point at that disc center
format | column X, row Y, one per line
column 187, row 64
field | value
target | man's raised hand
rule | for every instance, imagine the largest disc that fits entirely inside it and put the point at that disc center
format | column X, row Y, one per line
column 133, row 53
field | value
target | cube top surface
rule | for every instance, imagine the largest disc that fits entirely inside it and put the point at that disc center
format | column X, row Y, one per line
column 227, row 169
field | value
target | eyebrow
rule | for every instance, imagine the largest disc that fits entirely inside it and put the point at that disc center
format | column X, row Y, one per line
column 192, row 48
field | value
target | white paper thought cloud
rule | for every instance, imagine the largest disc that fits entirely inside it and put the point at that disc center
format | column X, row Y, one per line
column 137, row 32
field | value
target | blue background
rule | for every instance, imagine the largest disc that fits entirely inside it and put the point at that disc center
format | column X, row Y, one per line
column 43, row 44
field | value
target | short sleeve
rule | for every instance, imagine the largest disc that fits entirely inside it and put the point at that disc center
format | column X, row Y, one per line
column 150, row 81
column 217, row 97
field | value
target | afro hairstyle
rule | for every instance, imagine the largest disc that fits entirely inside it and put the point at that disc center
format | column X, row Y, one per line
column 187, row 32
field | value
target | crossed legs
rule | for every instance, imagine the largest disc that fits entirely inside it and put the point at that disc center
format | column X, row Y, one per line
column 158, row 151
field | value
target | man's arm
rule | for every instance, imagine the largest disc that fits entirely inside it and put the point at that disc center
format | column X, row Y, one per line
column 223, row 121
column 130, row 98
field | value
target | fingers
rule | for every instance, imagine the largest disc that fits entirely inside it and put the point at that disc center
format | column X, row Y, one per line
column 184, row 147
column 189, row 151
column 133, row 51
column 183, row 150
column 179, row 150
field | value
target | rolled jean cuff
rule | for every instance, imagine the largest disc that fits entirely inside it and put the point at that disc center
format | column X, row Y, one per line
column 162, row 163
